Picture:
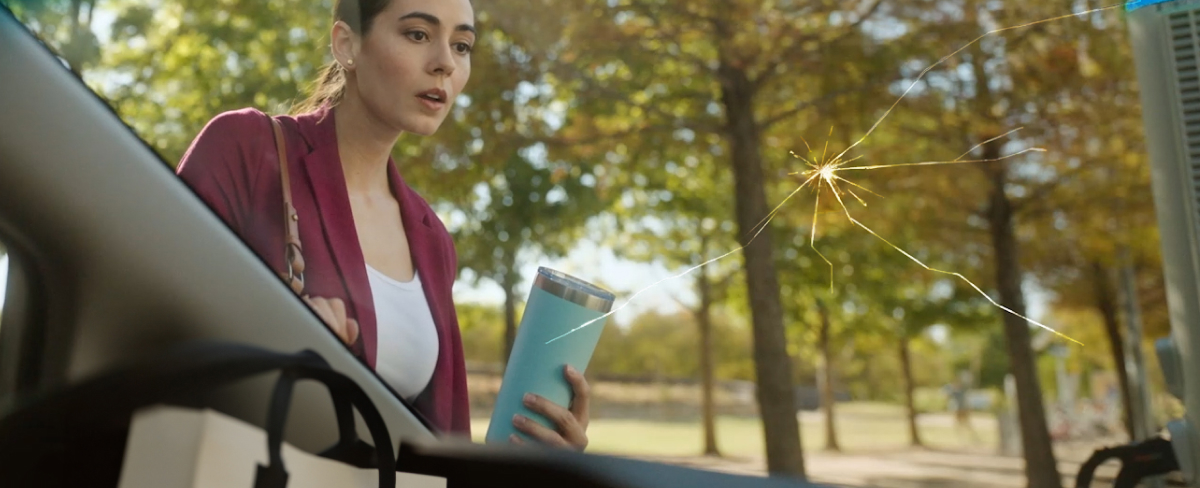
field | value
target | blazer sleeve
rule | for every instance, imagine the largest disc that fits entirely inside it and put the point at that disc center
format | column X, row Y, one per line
column 452, row 262
column 224, row 160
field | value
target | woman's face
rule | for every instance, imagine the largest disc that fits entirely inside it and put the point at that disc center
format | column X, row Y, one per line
column 414, row 61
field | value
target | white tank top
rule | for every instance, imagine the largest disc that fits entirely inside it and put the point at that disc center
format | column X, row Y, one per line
column 407, row 342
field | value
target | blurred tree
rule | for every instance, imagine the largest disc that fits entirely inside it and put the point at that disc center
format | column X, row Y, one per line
column 672, row 215
column 902, row 298
column 709, row 293
column 482, row 328
column 523, row 206
column 821, row 314
column 647, row 348
column 1107, row 208
column 63, row 25
column 697, row 69
column 914, row 312
column 170, row 68
column 825, row 378
column 878, row 296
column 1034, row 78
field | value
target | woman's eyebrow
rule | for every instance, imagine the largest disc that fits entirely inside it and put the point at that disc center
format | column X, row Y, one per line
column 432, row 19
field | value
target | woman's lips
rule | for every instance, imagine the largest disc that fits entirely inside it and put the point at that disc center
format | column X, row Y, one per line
column 432, row 105
column 434, row 99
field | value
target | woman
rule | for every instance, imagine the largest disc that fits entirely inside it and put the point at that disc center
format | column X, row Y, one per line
column 379, row 264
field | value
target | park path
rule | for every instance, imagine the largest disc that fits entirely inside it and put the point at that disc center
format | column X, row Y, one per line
column 915, row 468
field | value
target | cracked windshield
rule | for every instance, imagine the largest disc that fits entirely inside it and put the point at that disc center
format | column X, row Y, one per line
column 876, row 243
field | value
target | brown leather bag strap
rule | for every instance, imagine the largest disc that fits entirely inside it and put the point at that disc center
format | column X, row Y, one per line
column 293, row 253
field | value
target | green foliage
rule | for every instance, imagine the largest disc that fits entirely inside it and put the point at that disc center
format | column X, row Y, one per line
column 982, row 352
column 931, row 400
column 525, row 205
column 657, row 346
column 64, row 26
column 482, row 328
column 173, row 66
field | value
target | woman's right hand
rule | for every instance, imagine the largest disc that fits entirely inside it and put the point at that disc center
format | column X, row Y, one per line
column 333, row 312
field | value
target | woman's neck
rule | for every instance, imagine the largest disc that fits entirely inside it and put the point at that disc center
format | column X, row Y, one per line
column 364, row 145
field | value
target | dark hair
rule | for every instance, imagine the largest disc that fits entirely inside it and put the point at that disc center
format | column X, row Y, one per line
column 330, row 87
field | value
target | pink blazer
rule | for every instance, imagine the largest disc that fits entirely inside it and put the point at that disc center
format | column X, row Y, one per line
column 232, row 165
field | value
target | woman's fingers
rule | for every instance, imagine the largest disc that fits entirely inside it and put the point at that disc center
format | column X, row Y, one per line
column 345, row 327
column 554, row 413
column 570, row 423
column 582, row 394
column 538, row 432
column 333, row 312
column 339, row 313
column 325, row 311
column 321, row 307
column 569, row 433
column 351, row 332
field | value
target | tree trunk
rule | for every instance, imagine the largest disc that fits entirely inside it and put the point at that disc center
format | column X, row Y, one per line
column 508, row 281
column 91, row 11
column 1106, row 304
column 1041, row 470
column 909, row 391
column 76, row 18
column 70, row 50
column 825, row 377
column 510, row 322
column 772, row 366
column 704, row 321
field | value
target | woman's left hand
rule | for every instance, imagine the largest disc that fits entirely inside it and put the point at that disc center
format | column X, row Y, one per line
column 572, row 423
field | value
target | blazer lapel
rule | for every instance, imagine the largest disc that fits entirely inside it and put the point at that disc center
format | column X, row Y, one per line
column 428, row 257
column 423, row 243
column 323, row 165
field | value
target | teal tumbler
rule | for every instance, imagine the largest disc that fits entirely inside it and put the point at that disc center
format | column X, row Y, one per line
column 557, row 303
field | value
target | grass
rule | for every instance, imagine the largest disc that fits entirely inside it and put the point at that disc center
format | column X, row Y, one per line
column 862, row 427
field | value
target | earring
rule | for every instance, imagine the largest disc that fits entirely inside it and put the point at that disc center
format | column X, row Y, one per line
column 350, row 62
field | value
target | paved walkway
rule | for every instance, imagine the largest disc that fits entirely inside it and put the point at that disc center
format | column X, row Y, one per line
column 913, row 468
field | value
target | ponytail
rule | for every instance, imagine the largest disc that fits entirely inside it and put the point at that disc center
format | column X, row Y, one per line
column 329, row 89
